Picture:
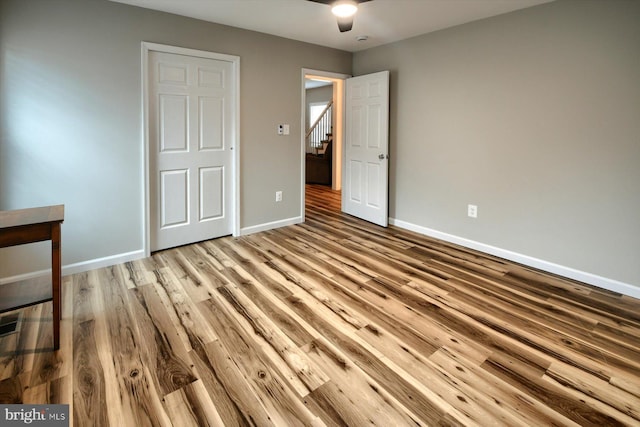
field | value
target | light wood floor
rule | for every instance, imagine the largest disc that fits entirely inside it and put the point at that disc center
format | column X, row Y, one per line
column 332, row 322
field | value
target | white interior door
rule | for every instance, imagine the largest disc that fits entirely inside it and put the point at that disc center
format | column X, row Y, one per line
column 191, row 107
column 365, row 186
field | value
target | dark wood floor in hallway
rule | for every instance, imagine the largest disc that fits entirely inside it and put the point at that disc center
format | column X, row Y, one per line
column 331, row 322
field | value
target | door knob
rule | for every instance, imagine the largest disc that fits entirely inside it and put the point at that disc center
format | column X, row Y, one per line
column 381, row 156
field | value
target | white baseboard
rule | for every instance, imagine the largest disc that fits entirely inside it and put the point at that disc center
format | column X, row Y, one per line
column 270, row 225
column 80, row 267
column 571, row 273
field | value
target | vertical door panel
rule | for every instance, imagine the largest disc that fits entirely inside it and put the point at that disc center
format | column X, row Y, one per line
column 211, row 193
column 373, row 178
column 211, row 123
column 173, row 122
column 174, row 197
column 374, row 116
column 358, row 132
column 355, row 178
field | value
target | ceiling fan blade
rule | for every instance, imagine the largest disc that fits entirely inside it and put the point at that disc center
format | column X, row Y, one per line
column 345, row 24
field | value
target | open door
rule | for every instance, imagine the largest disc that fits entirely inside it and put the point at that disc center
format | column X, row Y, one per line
column 365, row 182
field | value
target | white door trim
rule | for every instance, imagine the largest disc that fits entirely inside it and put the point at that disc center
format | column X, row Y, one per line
column 338, row 151
column 235, row 130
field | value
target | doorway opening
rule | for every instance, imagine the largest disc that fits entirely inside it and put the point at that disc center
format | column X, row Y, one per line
column 323, row 130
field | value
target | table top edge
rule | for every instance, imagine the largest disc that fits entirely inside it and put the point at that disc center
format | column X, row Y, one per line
column 31, row 216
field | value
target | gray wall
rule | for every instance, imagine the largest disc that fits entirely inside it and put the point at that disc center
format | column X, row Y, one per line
column 535, row 117
column 71, row 122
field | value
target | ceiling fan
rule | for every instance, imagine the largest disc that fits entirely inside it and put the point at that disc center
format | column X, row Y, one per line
column 344, row 11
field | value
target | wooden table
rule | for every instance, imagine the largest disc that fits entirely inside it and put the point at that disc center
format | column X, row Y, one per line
column 24, row 226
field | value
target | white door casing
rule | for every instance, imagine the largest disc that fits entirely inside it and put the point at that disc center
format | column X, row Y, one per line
column 365, row 186
column 191, row 105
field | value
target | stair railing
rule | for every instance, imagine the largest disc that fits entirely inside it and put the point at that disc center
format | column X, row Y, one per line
column 320, row 128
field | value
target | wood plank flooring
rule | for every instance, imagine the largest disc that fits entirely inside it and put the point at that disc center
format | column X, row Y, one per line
column 332, row 322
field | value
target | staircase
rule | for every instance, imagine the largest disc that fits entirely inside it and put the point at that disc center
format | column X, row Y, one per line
column 324, row 143
column 320, row 132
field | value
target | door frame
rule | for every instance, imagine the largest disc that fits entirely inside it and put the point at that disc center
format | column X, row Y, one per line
column 235, row 133
column 338, row 80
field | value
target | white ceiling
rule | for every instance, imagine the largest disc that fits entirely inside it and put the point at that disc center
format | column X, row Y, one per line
column 384, row 21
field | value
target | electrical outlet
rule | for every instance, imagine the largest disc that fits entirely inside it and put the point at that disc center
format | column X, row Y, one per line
column 472, row 211
column 278, row 196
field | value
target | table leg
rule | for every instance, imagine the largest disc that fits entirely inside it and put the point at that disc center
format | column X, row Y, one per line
column 56, row 279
